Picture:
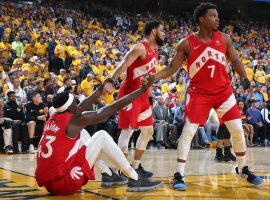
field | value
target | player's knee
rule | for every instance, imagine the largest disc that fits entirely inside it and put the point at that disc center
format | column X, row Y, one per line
column 189, row 131
column 238, row 139
column 145, row 136
column 124, row 139
column 147, row 132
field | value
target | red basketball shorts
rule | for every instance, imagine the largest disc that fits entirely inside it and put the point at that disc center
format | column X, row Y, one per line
column 77, row 175
column 198, row 106
column 138, row 113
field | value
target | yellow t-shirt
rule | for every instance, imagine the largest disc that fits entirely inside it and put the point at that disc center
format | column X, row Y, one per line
column 259, row 74
column 61, row 50
column 108, row 98
column 41, row 49
column 164, row 88
column 87, row 87
column 31, row 70
column 5, row 49
column 250, row 73
column 29, row 51
column 181, row 91
column 160, row 67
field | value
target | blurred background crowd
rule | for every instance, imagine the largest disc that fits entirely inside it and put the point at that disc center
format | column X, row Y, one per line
column 47, row 48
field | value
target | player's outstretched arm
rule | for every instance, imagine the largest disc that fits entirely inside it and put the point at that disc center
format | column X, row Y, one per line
column 236, row 63
column 78, row 122
column 177, row 61
column 137, row 51
column 90, row 100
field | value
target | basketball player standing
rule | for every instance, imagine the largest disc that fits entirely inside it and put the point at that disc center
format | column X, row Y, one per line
column 140, row 60
column 206, row 52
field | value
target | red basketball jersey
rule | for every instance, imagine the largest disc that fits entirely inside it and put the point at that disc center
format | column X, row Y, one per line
column 206, row 65
column 140, row 67
column 56, row 151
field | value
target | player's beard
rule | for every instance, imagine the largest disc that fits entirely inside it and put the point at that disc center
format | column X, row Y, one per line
column 159, row 41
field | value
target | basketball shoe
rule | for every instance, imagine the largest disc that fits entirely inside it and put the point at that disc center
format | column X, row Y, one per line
column 178, row 183
column 249, row 176
column 114, row 179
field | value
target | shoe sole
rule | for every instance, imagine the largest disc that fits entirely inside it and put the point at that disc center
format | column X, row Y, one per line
column 239, row 178
column 110, row 184
column 143, row 189
column 183, row 189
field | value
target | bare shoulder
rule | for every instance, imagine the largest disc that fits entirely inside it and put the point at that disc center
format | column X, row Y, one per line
column 227, row 39
column 138, row 50
column 183, row 46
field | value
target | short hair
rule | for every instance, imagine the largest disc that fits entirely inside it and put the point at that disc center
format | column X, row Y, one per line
column 10, row 93
column 201, row 10
column 34, row 93
column 60, row 99
column 66, row 79
column 149, row 26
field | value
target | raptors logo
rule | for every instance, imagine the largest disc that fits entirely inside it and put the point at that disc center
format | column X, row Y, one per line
column 76, row 172
column 128, row 107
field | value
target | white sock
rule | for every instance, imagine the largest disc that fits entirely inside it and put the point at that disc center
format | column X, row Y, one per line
column 136, row 163
column 102, row 167
column 241, row 162
column 181, row 168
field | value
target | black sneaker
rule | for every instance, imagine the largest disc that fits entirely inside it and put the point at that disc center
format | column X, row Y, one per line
column 8, row 150
column 249, row 176
column 142, row 184
column 144, row 173
column 228, row 154
column 114, row 179
column 178, row 183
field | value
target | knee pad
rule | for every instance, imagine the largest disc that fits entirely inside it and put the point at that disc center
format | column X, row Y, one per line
column 189, row 131
column 145, row 136
column 238, row 139
column 124, row 139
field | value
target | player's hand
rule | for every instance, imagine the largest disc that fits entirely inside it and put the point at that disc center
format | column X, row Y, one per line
column 245, row 83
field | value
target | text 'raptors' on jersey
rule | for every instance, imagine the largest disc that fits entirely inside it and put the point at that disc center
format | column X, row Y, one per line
column 207, row 64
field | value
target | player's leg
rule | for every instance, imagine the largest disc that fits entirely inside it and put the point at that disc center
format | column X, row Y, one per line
column 108, row 176
column 103, row 142
column 144, row 138
column 197, row 111
column 219, row 145
column 31, row 132
column 124, row 138
column 144, row 117
column 230, row 114
column 183, row 148
column 228, row 156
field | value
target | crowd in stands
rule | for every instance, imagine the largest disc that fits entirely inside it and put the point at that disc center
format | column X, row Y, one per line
column 46, row 49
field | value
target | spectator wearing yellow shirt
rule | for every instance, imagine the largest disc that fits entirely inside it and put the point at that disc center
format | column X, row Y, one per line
column 5, row 48
column 41, row 48
column 30, row 49
column 99, row 68
column 181, row 88
column 87, row 85
column 61, row 77
column 259, row 75
column 249, row 71
column 25, row 74
column 165, row 86
column 110, row 68
column 31, row 67
column 264, row 92
column 160, row 65
column 60, row 49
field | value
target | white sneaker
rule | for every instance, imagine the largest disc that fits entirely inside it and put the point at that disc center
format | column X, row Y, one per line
column 31, row 148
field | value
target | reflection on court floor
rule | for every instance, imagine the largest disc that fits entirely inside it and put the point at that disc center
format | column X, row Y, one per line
column 226, row 186
column 205, row 179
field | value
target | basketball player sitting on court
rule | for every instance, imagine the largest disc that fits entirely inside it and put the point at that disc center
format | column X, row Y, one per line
column 66, row 153
column 206, row 52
